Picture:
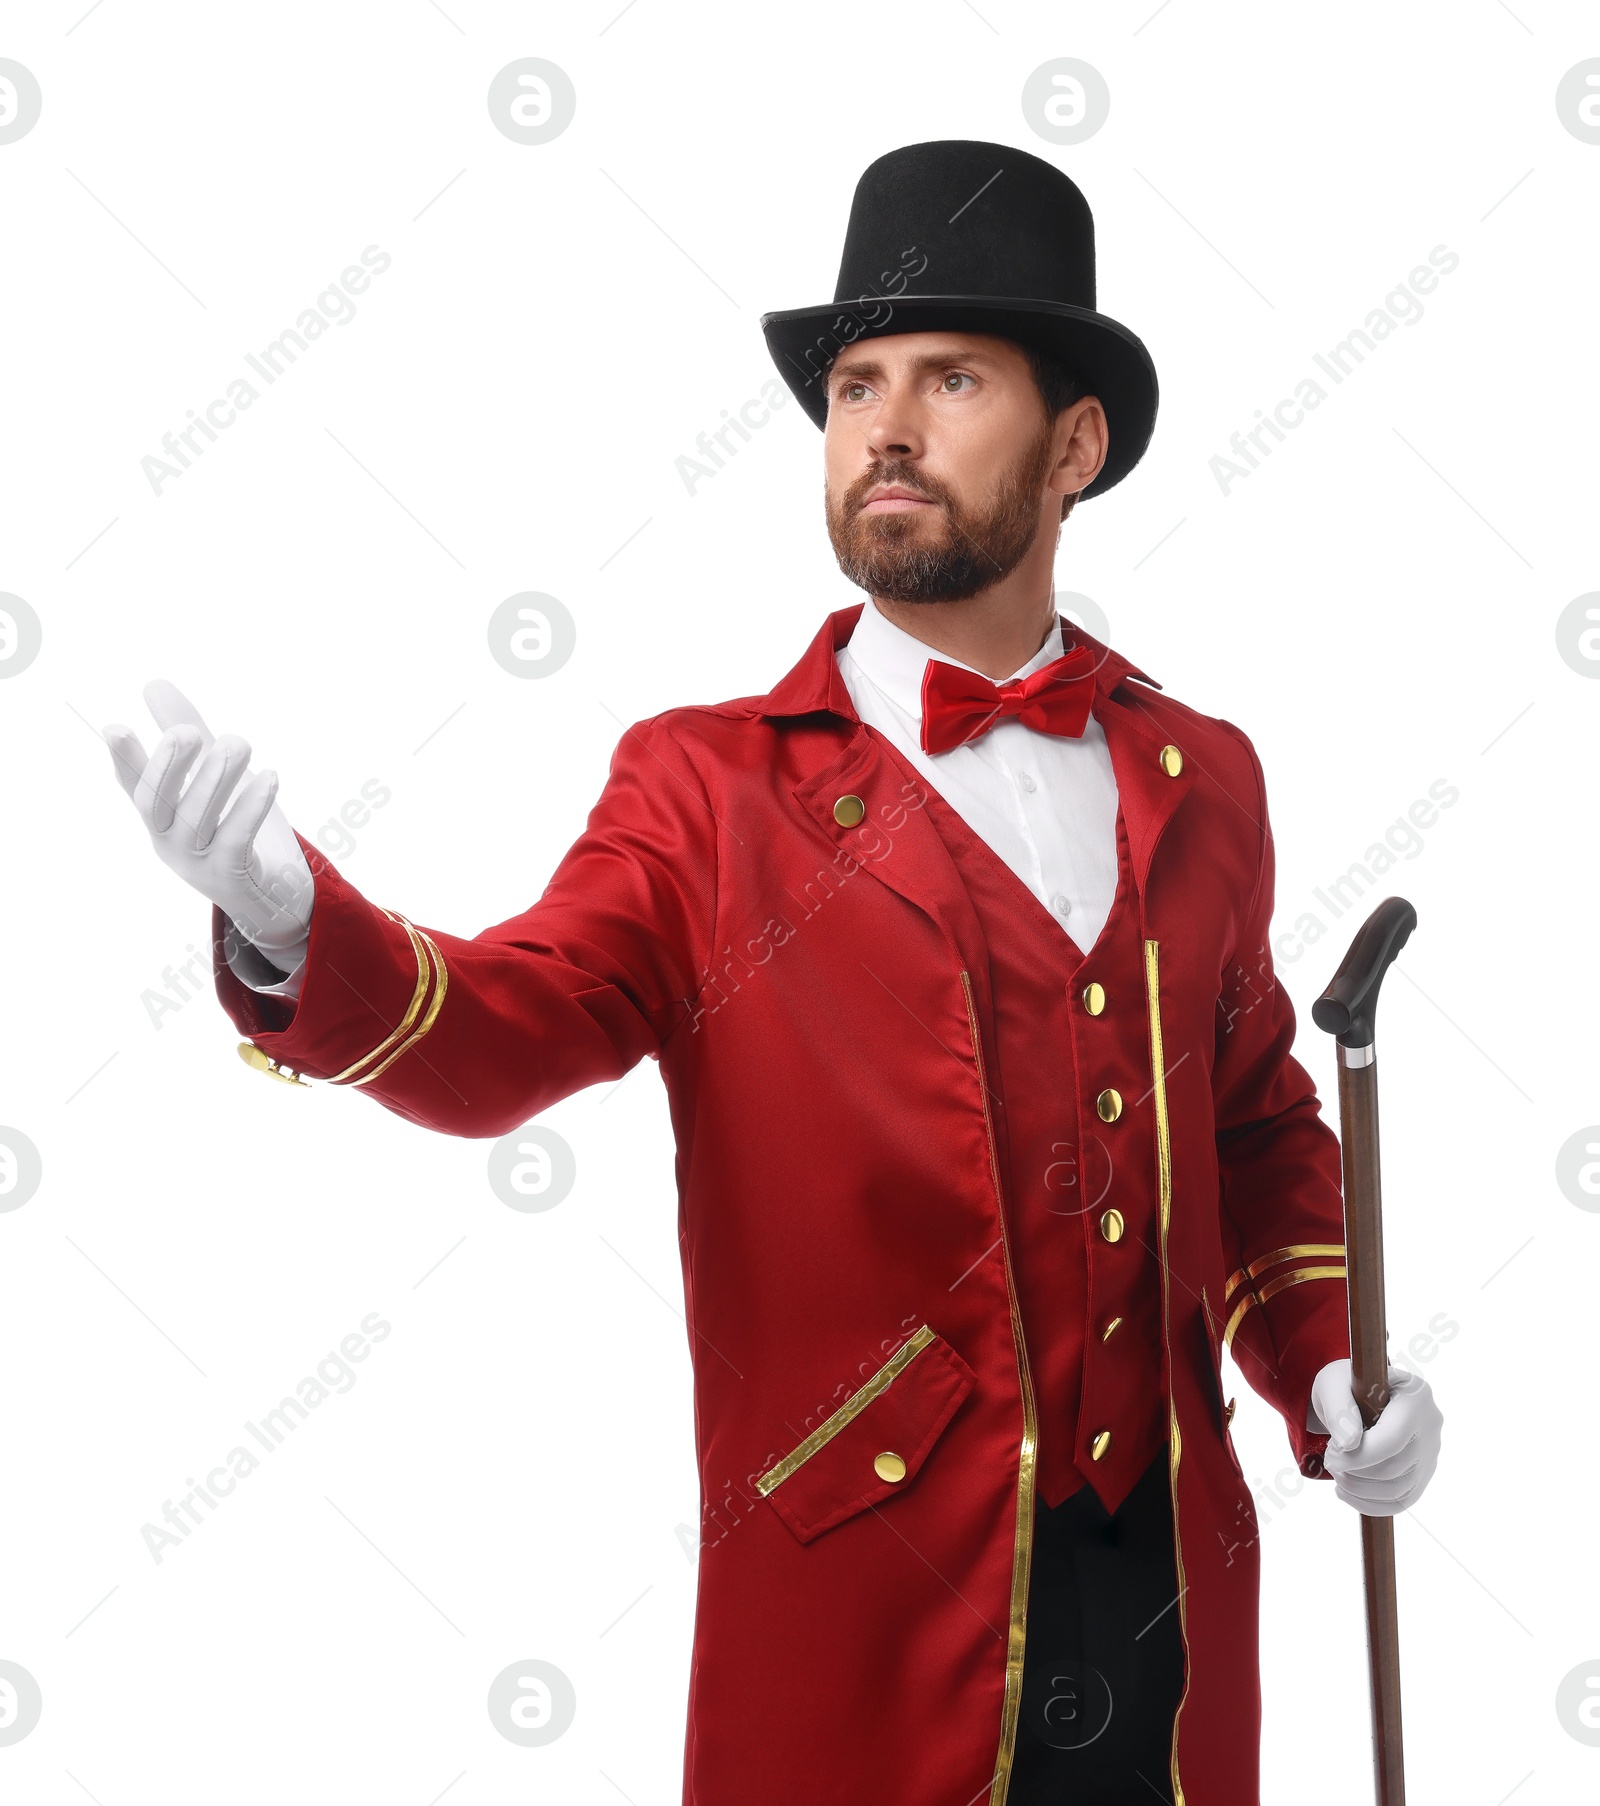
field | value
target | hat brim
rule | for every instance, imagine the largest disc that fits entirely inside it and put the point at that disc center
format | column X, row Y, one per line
column 1111, row 361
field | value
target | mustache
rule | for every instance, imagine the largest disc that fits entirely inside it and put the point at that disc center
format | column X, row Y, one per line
column 891, row 476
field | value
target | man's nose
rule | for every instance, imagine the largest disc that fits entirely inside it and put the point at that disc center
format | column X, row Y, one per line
column 893, row 431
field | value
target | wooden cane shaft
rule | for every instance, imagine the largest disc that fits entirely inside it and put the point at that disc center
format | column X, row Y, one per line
column 1369, row 1363
column 1363, row 1236
column 1383, row 1659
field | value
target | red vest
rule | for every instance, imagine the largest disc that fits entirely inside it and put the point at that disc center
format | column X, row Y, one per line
column 1059, row 1174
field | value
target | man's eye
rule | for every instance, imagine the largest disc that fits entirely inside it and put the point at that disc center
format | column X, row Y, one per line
column 854, row 391
column 954, row 376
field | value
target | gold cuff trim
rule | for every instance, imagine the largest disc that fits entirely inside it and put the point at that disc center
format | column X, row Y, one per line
column 1296, row 1276
column 441, row 982
column 852, row 1407
column 413, row 1008
column 407, row 1032
column 1295, row 1251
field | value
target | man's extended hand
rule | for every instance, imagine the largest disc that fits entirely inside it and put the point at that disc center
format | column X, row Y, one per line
column 247, row 860
column 1383, row 1470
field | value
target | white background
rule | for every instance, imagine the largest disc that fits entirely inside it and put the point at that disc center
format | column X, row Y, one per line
column 512, row 1474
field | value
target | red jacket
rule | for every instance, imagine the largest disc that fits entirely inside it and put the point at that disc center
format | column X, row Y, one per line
column 761, row 903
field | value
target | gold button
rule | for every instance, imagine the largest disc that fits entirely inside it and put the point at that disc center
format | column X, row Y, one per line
column 1094, row 998
column 1111, row 1225
column 1229, row 1418
column 889, row 1466
column 1108, row 1105
column 1100, row 1444
column 262, row 1061
column 1110, row 1329
column 849, row 811
column 1171, row 761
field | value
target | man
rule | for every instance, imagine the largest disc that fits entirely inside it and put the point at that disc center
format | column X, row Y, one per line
column 953, row 950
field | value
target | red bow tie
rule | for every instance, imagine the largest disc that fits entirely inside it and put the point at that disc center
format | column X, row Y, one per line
column 958, row 706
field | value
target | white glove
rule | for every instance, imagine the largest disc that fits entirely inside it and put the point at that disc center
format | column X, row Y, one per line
column 246, row 861
column 1381, row 1471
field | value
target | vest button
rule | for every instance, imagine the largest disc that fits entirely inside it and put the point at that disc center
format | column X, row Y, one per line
column 1110, row 1329
column 1100, row 1444
column 1108, row 1105
column 1111, row 1225
column 1094, row 998
column 889, row 1465
column 1171, row 761
column 849, row 811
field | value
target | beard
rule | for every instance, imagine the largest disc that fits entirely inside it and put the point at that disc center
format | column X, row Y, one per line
column 906, row 557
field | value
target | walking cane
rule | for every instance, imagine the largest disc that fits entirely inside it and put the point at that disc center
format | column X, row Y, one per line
column 1346, row 1010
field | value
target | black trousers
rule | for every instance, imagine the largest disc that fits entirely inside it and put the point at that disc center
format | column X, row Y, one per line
column 1103, row 1668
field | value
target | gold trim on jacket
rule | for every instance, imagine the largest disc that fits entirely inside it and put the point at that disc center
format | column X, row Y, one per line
column 1158, row 1072
column 408, row 1031
column 1280, row 1283
column 1292, row 1252
column 1027, row 1454
column 852, row 1407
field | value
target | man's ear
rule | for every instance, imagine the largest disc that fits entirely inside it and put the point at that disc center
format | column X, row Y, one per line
column 1084, row 439
column 1093, row 426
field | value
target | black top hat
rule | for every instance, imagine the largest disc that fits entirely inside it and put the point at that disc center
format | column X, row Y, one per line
column 963, row 236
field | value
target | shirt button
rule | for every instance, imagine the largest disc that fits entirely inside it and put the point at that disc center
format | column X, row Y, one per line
column 889, row 1466
column 1111, row 1225
column 1062, row 905
column 1098, row 1447
column 1108, row 1105
column 1094, row 998
column 1027, row 783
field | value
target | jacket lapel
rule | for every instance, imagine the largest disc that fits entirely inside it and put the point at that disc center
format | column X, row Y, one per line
column 1148, row 797
column 896, row 841
column 893, row 839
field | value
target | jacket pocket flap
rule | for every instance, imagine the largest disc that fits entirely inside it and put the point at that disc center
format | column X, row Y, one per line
column 875, row 1443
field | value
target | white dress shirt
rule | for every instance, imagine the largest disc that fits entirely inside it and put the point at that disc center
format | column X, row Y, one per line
column 1044, row 803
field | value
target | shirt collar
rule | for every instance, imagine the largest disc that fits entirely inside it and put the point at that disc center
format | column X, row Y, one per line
column 895, row 660
column 815, row 682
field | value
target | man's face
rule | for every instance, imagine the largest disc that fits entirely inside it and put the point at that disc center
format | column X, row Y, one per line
column 942, row 466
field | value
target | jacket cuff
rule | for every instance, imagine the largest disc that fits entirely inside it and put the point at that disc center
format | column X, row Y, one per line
column 1319, row 1334
column 1287, row 1342
column 371, row 988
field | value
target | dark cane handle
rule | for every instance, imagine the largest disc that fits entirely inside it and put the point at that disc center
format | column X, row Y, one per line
column 1346, row 1010
column 1347, row 1007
